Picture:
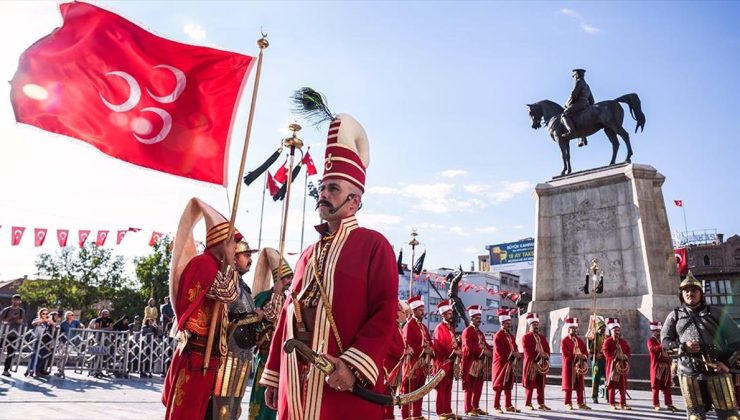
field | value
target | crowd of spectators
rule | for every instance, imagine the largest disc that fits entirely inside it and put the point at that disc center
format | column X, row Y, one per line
column 156, row 322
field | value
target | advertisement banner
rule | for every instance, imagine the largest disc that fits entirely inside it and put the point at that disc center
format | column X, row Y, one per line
column 512, row 255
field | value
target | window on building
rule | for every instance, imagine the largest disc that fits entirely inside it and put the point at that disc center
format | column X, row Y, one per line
column 504, row 281
column 492, row 304
column 706, row 260
column 737, row 256
column 719, row 292
column 435, row 317
column 492, row 319
column 493, row 286
column 433, row 301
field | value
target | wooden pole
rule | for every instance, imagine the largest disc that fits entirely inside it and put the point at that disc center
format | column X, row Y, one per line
column 262, row 44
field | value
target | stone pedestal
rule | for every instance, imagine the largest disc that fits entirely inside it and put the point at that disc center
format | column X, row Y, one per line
column 616, row 214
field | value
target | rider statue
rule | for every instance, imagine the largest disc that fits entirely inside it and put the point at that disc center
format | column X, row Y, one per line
column 580, row 100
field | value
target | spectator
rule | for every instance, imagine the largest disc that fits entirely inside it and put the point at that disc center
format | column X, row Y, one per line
column 12, row 316
column 103, row 321
column 168, row 316
column 151, row 311
column 121, row 324
column 42, row 328
column 65, row 337
column 148, row 336
column 103, row 343
column 137, row 323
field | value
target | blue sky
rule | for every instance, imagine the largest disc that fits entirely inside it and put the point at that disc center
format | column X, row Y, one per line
column 441, row 89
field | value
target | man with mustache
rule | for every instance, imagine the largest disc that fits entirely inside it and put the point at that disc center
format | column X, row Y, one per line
column 418, row 365
column 505, row 358
column 536, row 354
column 477, row 355
column 617, row 353
column 344, row 295
column 446, row 354
column 574, row 364
column 660, row 369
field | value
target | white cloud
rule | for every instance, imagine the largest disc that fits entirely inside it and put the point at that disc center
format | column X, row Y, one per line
column 486, row 229
column 500, row 191
column 452, row 173
column 591, row 30
column 472, row 250
column 458, row 230
column 194, row 31
column 570, row 12
column 378, row 221
column 518, row 227
column 475, row 189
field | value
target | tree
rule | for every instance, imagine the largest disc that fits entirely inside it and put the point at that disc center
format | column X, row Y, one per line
column 153, row 270
column 77, row 279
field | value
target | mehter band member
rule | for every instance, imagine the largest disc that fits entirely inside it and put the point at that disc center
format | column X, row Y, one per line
column 536, row 363
column 575, row 364
column 446, row 356
column 477, row 354
column 506, row 356
column 660, row 368
column 419, row 364
column 617, row 353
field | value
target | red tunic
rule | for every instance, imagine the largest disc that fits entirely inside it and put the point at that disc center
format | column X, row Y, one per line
column 186, row 389
column 660, row 365
column 395, row 353
column 503, row 346
column 361, row 281
column 530, row 378
column 610, row 352
column 417, row 337
column 444, row 344
column 473, row 344
column 571, row 380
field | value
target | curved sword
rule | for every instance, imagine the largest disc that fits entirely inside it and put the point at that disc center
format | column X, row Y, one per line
column 321, row 363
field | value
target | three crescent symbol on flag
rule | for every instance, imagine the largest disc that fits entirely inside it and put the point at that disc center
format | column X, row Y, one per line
column 135, row 96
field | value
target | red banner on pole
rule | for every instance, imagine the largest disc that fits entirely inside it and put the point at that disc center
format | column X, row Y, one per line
column 682, row 265
column 82, row 235
column 39, row 235
column 120, row 235
column 133, row 95
column 310, row 167
column 62, row 235
column 271, row 185
column 155, row 237
column 16, row 233
column 678, row 203
column 102, row 236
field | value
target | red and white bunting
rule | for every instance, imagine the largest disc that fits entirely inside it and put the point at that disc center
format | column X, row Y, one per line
column 39, row 235
column 16, row 233
column 102, row 236
column 62, row 235
column 155, row 237
column 82, row 236
column 120, row 235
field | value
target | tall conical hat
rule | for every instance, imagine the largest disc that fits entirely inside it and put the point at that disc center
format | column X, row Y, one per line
column 269, row 270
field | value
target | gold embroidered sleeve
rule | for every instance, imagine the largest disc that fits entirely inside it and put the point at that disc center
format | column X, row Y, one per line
column 273, row 307
column 224, row 288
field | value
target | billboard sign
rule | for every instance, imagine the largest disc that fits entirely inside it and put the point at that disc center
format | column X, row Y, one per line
column 512, row 255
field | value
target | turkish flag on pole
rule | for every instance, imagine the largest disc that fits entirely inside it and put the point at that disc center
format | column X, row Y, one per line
column 39, row 235
column 62, row 235
column 82, row 235
column 282, row 174
column 682, row 266
column 155, row 237
column 102, row 236
column 16, row 233
column 678, row 203
column 119, row 237
column 133, row 95
column 271, row 185
column 310, row 167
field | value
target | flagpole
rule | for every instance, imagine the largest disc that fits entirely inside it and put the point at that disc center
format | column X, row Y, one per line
column 305, row 193
column 216, row 314
column 413, row 244
column 262, row 213
column 685, row 225
column 294, row 143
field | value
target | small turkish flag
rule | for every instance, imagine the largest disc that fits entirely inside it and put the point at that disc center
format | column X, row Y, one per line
column 82, row 235
column 62, row 235
column 155, row 237
column 678, row 203
column 120, row 235
column 282, row 174
column 102, row 236
column 16, row 233
column 133, row 95
column 682, row 266
column 310, row 167
column 39, row 236
column 271, row 185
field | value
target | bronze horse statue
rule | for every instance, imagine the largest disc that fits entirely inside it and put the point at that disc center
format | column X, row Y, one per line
column 606, row 115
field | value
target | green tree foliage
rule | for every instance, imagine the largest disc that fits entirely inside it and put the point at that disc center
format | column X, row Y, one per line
column 153, row 271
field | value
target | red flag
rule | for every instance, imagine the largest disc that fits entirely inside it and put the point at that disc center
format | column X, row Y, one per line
column 82, row 236
column 271, row 185
column 678, row 203
column 282, row 174
column 133, row 95
column 102, row 236
column 133, row 229
column 39, row 236
column 16, row 233
column 120, row 235
column 310, row 167
column 155, row 237
column 682, row 265
column 62, row 235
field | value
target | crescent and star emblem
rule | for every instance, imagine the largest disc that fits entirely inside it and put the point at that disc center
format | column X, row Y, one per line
column 134, row 98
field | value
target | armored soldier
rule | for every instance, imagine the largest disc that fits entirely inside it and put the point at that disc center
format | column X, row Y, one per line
column 707, row 341
column 234, row 369
column 536, row 363
column 660, row 369
column 580, row 100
